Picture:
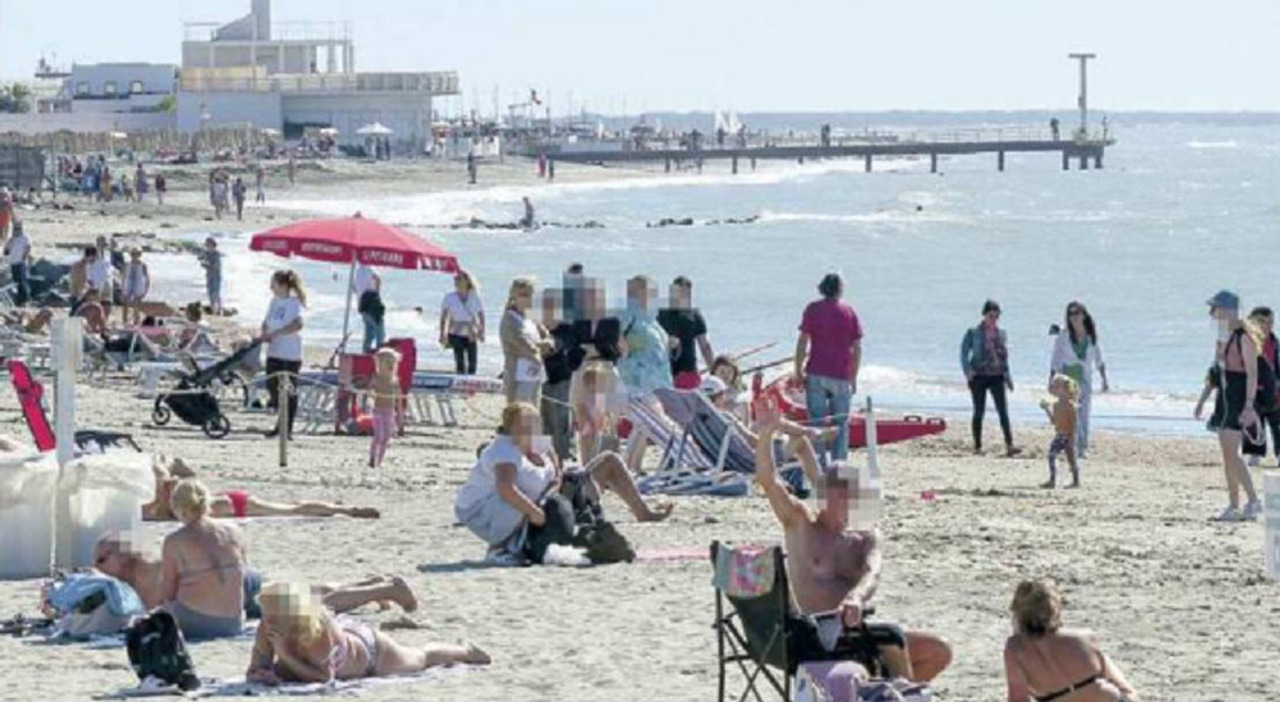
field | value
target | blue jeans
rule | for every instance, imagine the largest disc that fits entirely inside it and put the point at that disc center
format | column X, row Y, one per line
column 375, row 333
column 22, row 293
column 828, row 399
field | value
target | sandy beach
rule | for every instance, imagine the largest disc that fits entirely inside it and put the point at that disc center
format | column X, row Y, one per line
column 1181, row 603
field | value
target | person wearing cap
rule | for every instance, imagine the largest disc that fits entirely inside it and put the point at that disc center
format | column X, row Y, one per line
column 1236, row 364
column 984, row 358
column 827, row 359
column 17, row 253
column 684, row 323
column 835, row 568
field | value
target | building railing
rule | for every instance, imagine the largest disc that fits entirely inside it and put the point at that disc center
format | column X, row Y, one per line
column 434, row 83
column 280, row 31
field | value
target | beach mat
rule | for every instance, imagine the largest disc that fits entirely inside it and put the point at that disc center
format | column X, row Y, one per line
column 239, row 687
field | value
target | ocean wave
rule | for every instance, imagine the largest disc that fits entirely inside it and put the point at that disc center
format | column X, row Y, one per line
column 893, row 215
column 452, row 206
column 1228, row 144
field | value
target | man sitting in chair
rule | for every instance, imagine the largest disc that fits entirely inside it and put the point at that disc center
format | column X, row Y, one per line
column 833, row 568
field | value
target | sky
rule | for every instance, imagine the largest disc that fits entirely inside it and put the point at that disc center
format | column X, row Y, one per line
column 748, row 55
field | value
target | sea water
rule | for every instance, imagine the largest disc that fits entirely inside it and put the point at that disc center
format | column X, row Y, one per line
column 1179, row 211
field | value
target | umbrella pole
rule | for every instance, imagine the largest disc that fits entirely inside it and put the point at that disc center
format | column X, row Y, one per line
column 346, row 319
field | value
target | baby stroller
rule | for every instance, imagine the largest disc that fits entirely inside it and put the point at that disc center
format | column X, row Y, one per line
column 193, row 400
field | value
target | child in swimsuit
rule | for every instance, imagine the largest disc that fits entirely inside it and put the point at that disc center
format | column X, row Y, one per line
column 1062, row 413
column 386, row 400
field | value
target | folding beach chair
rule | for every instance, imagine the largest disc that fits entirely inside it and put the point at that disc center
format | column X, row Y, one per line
column 677, row 451
column 756, row 635
column 30, row 398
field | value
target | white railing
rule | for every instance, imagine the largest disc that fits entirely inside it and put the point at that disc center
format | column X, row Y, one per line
column 434, row 83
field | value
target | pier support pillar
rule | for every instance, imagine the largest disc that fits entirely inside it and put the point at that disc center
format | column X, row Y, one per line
column 1000, row 161
column 735, row 165
column 1084, row 163
column 1066, row 161
column 867, row 165
column 933, row 163
column 668, row 165
column 1097, row 160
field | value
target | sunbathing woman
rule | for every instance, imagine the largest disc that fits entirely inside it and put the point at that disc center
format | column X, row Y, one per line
column 36, row 324
column 1044, row 662
column 202, row 568
column 300, row 641
column 237, row 504
column 116, row 555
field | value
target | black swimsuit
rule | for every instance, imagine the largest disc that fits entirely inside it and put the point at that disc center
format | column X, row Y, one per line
column 1068, row 690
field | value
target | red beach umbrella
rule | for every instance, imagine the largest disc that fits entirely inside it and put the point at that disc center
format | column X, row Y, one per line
column 354, row 240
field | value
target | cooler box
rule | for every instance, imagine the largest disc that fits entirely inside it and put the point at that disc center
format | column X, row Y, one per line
column 100, row 494
column 27, row 486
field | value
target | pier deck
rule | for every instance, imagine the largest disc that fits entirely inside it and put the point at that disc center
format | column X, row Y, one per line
column 1083, row 150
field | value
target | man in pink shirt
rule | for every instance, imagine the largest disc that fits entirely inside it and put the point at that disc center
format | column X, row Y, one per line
column 828, row 355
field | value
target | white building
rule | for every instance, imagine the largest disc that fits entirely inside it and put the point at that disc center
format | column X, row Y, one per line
column 294, row 76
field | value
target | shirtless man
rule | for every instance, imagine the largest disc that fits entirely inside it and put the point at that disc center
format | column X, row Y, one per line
column 833, row 568
column 117, row 556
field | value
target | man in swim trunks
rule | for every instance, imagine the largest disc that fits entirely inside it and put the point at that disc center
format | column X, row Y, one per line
column 835, row 569
column 116, row 555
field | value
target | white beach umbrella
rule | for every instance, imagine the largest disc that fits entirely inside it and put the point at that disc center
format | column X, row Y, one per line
column 118, row 135
column 375, row 129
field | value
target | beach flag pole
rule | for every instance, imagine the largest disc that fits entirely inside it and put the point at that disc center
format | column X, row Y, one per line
column 346, row 317
column 282, row 417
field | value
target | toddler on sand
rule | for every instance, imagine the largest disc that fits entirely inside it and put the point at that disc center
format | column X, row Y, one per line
column 1062, row 413
column 386, row 401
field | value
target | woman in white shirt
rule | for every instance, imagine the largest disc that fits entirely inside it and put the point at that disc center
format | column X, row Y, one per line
column 462, row 323
column 524, row 341
column 281, row 331
column 1076, row 354
column 514, row 476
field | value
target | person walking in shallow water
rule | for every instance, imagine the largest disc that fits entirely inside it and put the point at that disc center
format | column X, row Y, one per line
column 984, row 358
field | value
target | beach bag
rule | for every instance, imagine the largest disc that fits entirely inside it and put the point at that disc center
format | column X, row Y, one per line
column 93, row 617
column 157, row 650
column 598, row 536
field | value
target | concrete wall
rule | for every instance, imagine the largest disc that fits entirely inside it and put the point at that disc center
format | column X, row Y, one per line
column 408, row 115
column 157, row 79
column 86, row 122
column 229, row 109
column 298, row 57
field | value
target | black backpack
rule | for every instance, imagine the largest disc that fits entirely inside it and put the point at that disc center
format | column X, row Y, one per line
column 156, row 649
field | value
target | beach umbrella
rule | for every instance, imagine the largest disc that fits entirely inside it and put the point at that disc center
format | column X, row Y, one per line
column 375, row 129
column 354, row 240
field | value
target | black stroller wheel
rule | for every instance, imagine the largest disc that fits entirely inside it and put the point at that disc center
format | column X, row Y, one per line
column 217, row 426
column 161, row 414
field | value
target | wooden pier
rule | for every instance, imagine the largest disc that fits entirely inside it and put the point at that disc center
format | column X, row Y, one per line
column 1086, row 151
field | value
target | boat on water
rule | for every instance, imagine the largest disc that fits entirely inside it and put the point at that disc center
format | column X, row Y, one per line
column 787, row 393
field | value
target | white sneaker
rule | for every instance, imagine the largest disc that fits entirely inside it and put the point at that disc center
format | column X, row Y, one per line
column 1229, row 514
column 1251, row 511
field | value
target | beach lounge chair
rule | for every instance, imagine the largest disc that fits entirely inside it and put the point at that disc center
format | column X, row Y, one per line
column 30, row 396
column 752, row 633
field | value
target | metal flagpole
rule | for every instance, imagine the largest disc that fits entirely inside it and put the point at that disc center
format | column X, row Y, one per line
column 346, row 318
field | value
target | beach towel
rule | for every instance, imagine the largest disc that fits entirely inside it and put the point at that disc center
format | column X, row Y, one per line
column 65, row 595
column 239, row 687
column 745, row 572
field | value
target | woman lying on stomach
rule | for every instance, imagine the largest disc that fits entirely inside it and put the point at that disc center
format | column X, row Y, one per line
column 301, row 641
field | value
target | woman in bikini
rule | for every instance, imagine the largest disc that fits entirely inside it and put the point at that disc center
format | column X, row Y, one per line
column 238, row 504
column 1046, row 663
column 202, row 568
column 301, row 641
